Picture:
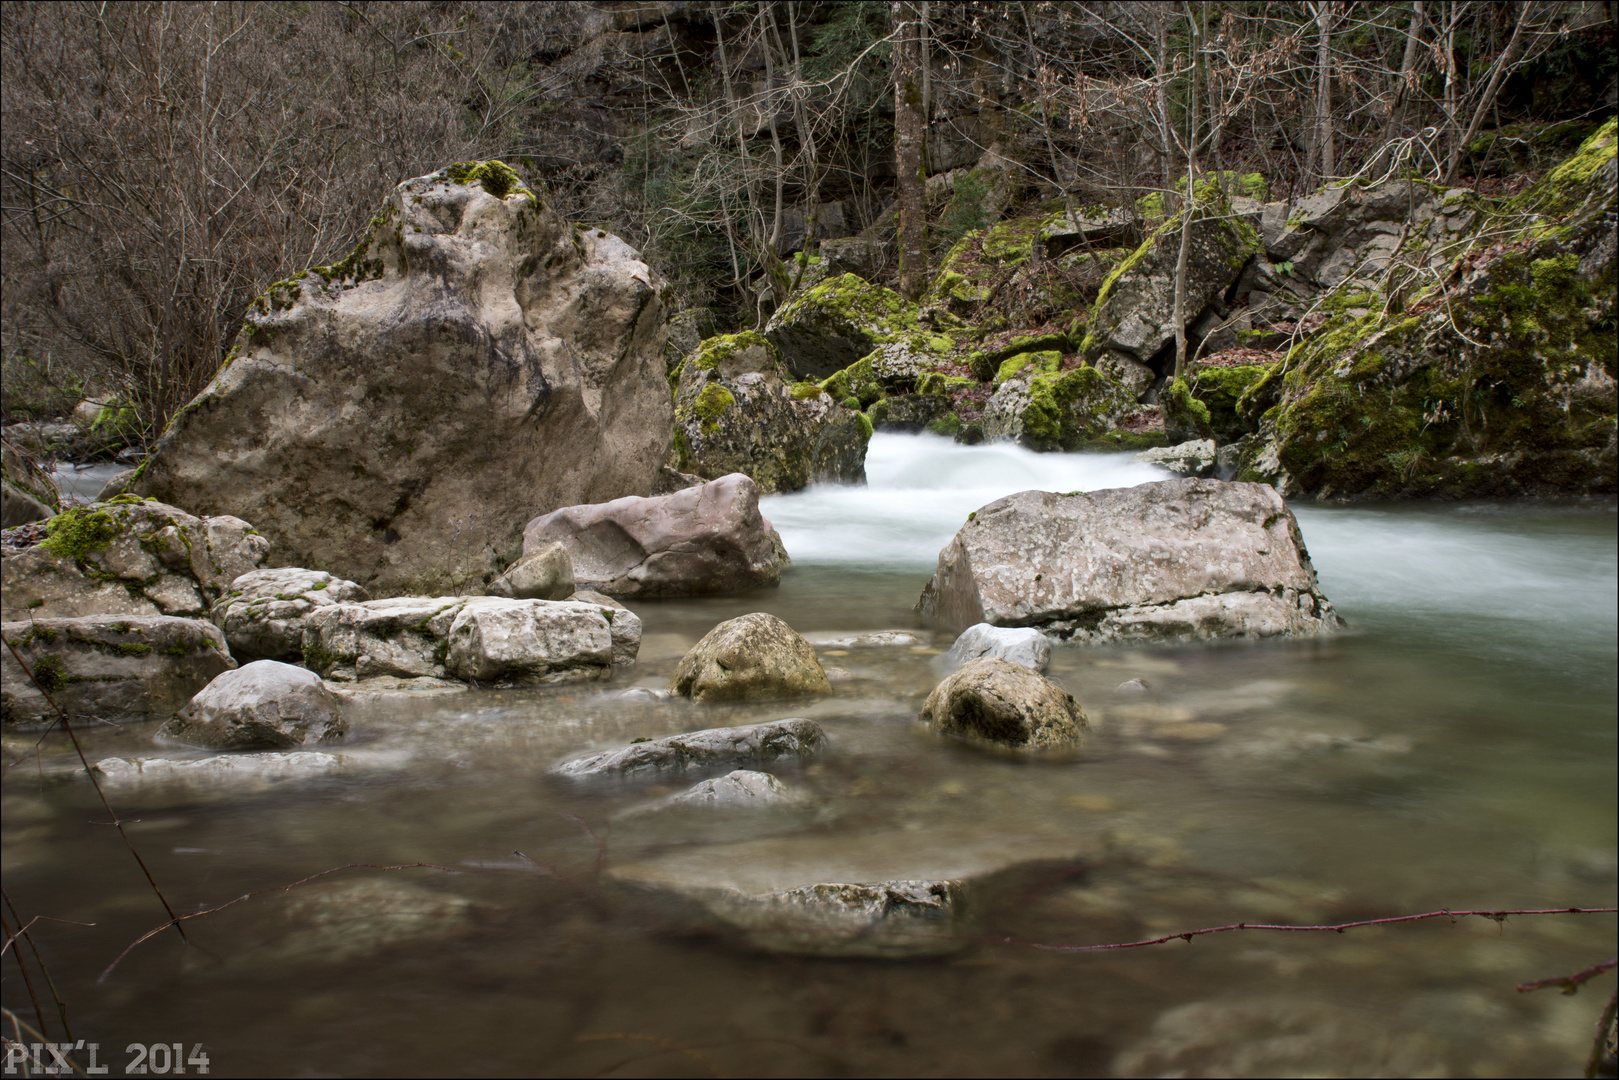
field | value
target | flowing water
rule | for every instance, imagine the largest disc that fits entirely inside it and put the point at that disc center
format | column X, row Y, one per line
column 1455, row 748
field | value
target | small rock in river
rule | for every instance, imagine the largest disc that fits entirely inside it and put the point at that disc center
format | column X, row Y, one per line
column 1006, row 704
column 749, row 658
column 1015, row 644
column 737, row 789
column 755, row 744
column 1132, row 686
column 262, row 704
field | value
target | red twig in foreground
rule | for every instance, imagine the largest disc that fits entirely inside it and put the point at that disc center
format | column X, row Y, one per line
column 1337, row 928
column 156, row 930
column 1570, row 983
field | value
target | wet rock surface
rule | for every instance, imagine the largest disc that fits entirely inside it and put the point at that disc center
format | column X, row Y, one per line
column 112, row 668
column 263, row 612
column 1177, row 559
column 754, row 744
column 1195, row 458
column 471, row 324
column 697, row 541
column 1018, row 645
column 230, row 769
column 740, row 789
column 545, row 573
column 750, row 658
column 265, row 704
column 1006, row 704
column 129, row 556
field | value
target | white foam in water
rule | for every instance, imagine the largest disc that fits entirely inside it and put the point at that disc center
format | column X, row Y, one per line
column 920, row 489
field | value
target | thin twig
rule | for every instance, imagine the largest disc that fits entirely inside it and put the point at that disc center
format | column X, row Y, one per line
column 1569, row 983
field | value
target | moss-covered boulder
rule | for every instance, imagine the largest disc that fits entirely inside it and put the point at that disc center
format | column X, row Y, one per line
column 1133, row 323
column 825, row 329
column 1500, row 381
column 1219, row 389
column 736, row 412
column 127, row 556
column 1061, row 410
column 750, row 658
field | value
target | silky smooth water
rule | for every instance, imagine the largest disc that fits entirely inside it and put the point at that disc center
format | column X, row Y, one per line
column 1453, row 748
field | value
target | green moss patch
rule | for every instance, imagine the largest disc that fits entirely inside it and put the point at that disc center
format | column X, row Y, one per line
column 78, row 532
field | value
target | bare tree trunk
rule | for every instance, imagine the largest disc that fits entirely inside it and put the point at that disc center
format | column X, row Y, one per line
column 908, row 124
column 1324, row 13
column 1161, row 25
column 1408, row 70
column 1191, row 209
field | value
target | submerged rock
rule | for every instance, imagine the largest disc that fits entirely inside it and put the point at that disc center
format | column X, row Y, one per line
column 886, row 919
column 264, row 611
column 694, row 542
column 129, row 556
column 750, row 658
column 735, row 412
column 1018, row 645
column 483, row 638
column 738, row 789
column 396, row 417
column 546, row 573
column 220, row 768
column 1172, row 560
column 108, row 667
column 755, row 744
column 264, row 704
column 999, row 702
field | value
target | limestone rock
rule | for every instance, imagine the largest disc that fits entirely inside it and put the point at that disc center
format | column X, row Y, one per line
column 28, row 494
column 482, row 638
column 750, row 658
column 824, row 330
column 885, row 919
column 1017, row 645
column 1194, row 458
column 233, row 769
column 1170, row 560
column 1135, row 318
column 128, row 557
column 108, row 667
column 395, row 418
column 543, row 574
column 1061, row 410
column 1007, row 704
column 263, row 612
column 265, row 704
column 737, row 790
column 755, row 744
column 626, row 625
column 702, row 540
column 735, row 412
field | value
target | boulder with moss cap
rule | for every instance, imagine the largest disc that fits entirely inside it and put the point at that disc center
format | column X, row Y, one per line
column 735, row 412
column 396, row 417
column 1006, row 704
column 112, row 668
column 824, row 330
column 127, row 556
column 750, row 658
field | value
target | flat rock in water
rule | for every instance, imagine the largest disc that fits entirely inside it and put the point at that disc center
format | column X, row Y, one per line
column 264, row 611
column 264, row 704
column 870, row 640
column 1006, row 704
column 1172, row 560
column 1195, row 458
column 694, row 542
column 893, row 893
column 107, row 667
column 1014, row 644
column 220, row 768
column 750, row 658
column 755, row 744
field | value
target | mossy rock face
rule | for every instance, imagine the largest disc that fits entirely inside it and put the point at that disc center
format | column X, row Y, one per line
column 1057, row 411
column 29, row 493
column 734, row 412
column 824, row 330
column 1134, row 317
column 1504, row 386
column 1219, row 390
column 1029, row 363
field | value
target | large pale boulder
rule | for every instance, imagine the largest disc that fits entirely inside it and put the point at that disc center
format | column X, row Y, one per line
column 700, row 540
column 545, row 574
column 750, row 658
column 1006, row 704
column 1176, row 559
column 263, row 612
column 262, row 705
column 755, row 744
column 395, row 418
column 477, row 638
column 129, row 556
column 107, row 667
column 735, row 412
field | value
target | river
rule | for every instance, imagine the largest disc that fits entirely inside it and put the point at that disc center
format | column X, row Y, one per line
column 1453, row 748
